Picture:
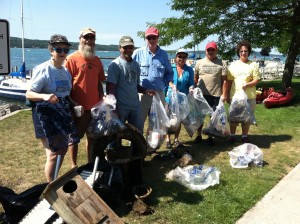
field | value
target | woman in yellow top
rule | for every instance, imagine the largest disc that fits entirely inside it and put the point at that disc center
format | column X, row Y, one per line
column 243, row 74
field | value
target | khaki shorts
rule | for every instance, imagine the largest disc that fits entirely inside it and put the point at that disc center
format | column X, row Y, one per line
column 83, row 122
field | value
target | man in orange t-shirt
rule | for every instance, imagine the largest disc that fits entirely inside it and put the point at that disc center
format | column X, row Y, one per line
column 87, row 90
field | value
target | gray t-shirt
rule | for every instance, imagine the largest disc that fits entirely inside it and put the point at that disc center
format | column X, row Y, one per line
column 48, row 79
column 126, row 76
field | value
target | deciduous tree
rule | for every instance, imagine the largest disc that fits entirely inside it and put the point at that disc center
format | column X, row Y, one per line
column 272, row 23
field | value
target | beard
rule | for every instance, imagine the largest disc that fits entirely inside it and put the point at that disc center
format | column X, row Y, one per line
column 87, row 51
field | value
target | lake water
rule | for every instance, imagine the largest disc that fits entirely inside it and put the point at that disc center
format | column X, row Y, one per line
column 34, row 57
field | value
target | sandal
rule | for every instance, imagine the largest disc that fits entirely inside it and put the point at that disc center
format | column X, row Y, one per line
column 178, row 144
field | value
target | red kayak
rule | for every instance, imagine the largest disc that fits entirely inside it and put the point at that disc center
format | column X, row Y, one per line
column 279, row 98
column 263, row 93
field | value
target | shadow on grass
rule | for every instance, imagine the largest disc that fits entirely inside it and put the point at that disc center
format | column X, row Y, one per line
column 156, row 169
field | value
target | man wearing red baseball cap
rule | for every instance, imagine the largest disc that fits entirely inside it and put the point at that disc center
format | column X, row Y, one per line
column 156, row 70
column 210, row 77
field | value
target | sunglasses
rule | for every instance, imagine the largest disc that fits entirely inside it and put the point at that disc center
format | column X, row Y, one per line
column 128, row 47
column 151, row 37
column 89, row 37
column 245, row 51
column 210, row 49
column 181, row 57
column 60, row 50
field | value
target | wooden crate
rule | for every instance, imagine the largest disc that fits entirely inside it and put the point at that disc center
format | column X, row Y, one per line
column 76, row 202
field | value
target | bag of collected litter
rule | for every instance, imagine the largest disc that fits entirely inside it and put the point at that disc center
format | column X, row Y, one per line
column 158, row 123
column 197, row 112
column 172, row 109
column 218, row 122
column 104, row 121
column 205, row 108
column 239, row 109
column 243, row 155
column 198, row 177
column 184, row 108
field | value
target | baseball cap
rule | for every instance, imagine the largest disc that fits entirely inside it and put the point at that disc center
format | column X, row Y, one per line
column 182, row 50
column 152, row 31
column 57, row 38
column 86, row 31
column 125, row 41
column 211, row 45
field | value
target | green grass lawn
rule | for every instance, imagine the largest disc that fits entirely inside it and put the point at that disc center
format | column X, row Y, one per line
column 22, row 163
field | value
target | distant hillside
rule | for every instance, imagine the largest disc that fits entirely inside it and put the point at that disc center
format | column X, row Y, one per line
column 17, row 42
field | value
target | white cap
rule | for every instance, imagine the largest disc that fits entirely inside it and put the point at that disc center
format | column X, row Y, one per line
column 181, row 50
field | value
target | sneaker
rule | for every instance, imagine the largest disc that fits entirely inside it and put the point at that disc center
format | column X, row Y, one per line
column 178, row 144
column 168, row 145
column 210, row 141
column 198, row 139
column 232, row 139
column 245, row 139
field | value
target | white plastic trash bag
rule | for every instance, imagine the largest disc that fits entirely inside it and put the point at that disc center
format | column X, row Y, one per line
column 218, row 122
column 197, row 178
column 239, row 109
column 158, row 123
column 243, row 155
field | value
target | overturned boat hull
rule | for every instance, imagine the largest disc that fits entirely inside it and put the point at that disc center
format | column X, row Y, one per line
column 279, row 98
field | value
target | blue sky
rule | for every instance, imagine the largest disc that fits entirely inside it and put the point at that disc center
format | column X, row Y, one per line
column 110, row 18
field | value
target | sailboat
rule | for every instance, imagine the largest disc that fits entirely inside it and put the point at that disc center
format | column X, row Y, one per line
column 15, row 85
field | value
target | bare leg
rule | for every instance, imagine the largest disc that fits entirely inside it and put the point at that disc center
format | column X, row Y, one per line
column 90, row 147
column 200, row 130
column 245, row 128
column 233, row 129
column 82, row 124
column 168, row 137
column 51, row 160
column 73, row 151
column 177, row 133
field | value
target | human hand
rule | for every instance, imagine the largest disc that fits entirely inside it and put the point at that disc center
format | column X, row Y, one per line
column 223, row 98
column 150, row 92
column 244, row 86
column 51, row 98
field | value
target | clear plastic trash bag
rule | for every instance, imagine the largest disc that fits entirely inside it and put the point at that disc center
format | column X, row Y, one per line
column 239, row 109
column 218, row 126
column 197, row 178
column 243, row 155
column 195, row 117
column 158, row 123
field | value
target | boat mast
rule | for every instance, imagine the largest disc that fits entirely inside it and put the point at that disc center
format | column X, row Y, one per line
column 22, row 23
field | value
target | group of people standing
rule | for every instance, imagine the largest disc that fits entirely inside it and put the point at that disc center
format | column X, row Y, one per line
column 133, row 78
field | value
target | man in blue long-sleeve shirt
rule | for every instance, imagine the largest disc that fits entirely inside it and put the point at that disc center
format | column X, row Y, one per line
column 156, row 70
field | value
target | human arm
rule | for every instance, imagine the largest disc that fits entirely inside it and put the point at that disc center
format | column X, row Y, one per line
column 100, row 90
column 143, row 90
column 34, row 96
column 224, row 96
column 191, row 79
column 111, row 88
column 101, row 80
column 196, row 75
column 228, row 84
column 256, row 77
column 252, row 83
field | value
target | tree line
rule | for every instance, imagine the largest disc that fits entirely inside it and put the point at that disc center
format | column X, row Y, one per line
column 16, row 42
